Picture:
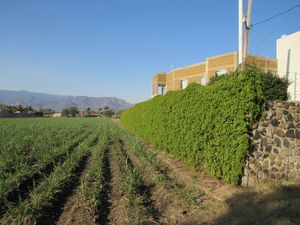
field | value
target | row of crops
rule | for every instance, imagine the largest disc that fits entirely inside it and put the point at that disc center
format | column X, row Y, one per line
column 40, row 161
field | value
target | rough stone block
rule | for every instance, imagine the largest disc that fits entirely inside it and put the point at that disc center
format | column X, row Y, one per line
column 270, row 140
column 269, row 132
column 297, row 133
column 278, row 104
column 264, row 142
column 286, row 152
column 277, row 142
column 282, row 168
column 254, row 147
column 265, row 156
column 286, row 143
column 275, row 151
column 292, row 143
column 282, row 125
column 275, row 122
column 279, row 158
column 285, row 112
column 279, row 115
column 270, row 104
column 278, row 163
column 269, row 148
column 263, row 175
column 265, row 164
column 257, row 136
column 290, row 133
column 251, row 160
column 293, row 175
column 279, row 132
column 289, row 117
column 292, row 159
column 257, row 155
column 297, row 152
column 290, row 126
column 255, row 167
column 290, row 166
column 272, row 157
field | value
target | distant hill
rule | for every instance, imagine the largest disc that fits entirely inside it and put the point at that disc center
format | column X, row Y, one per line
column 58, row 102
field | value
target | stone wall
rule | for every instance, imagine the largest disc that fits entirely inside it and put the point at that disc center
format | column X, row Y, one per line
column 275, row 145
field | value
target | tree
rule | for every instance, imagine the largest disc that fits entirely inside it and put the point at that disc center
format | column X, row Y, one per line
column 28, row 109
column 66, row 112
column 46, row 111
column 19, row 108
column 108, row 113
column 88, row 111
column 73, row 111
column 2, row 106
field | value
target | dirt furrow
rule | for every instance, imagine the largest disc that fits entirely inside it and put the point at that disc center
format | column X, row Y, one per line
column 112, row 209
column 52, row 213
column 75, row 211
column 171, row 205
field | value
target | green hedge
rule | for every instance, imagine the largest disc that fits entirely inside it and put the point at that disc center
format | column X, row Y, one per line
column 206, row 127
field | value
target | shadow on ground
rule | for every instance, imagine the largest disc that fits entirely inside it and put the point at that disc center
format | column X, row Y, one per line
column 281, row 206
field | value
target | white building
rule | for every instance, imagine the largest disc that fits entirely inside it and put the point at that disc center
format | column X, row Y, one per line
column 57, row 114
column 288, row 59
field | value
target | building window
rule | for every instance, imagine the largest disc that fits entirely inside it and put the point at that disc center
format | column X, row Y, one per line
column 183, row 84
column 203, row 80
column 220, row 72
column 161, row 89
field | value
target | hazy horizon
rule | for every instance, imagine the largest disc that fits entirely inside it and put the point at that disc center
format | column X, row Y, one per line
column 67, row 95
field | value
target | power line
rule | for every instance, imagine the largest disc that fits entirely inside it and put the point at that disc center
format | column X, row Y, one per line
column 276, row 15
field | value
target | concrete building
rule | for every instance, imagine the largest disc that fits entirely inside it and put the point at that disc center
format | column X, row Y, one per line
column 288, row 56
column 202, row 72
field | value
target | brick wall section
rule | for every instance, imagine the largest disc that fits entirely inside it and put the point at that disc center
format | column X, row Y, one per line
column 191, row 73
column 275, row 146
column 227, row 61
column 208, row 69
column 264, row 63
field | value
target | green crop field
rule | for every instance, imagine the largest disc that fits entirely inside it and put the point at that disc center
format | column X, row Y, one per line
column 72, row 171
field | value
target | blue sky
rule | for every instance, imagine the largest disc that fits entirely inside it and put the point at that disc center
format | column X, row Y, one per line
column 113, row 47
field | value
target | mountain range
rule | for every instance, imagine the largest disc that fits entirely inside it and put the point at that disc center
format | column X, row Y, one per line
column 59, row 102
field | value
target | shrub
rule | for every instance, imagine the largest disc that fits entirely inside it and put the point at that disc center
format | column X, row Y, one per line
column 275, row 88
column 206, row 127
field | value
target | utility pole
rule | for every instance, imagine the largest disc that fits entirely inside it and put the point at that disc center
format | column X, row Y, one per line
column 240, row 24
column 247, row 31
column 244, row 32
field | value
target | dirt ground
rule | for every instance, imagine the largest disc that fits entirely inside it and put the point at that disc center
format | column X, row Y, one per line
column 266, row 204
